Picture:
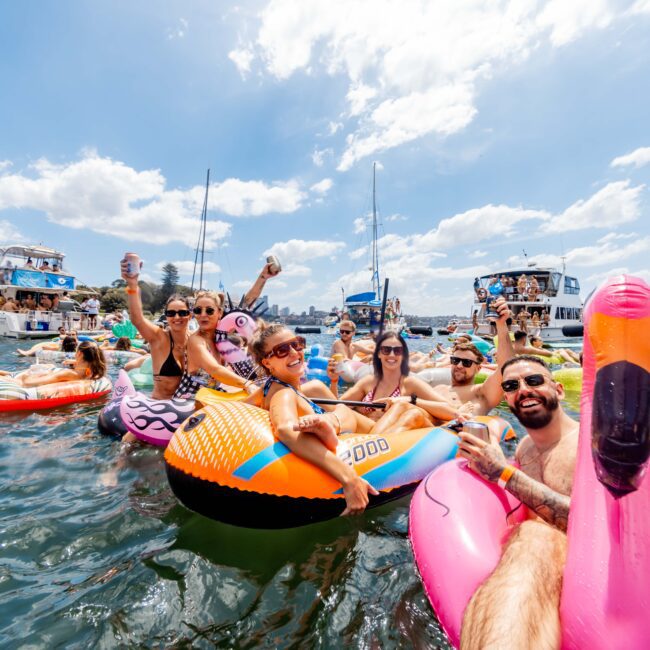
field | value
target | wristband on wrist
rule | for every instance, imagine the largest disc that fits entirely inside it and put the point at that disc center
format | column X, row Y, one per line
column 338, row 421
column 414, row 399
column 131, row 292
column 506, row 475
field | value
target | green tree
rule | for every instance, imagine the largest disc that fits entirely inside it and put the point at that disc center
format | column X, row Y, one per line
column 169, row 281
column 118, row 284
column 113, row 300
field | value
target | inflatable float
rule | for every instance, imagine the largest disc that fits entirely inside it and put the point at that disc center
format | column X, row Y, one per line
column 225, row 463
column 18, row 398
column 142, row 377
column 458, row 522
column 149, row 420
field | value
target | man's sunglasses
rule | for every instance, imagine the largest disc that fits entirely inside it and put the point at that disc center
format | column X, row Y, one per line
column 397, row 350
column 467, row 363
column 346, row 331
column 208, row 310
column 183, row 313
column 282, row 349
column 511, row 385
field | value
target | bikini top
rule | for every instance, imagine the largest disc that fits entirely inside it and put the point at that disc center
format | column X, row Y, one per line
column 319, row 410
column 170, row 367
column 370, row 396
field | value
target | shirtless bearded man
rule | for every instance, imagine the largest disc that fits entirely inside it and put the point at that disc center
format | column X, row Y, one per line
column 518, row 605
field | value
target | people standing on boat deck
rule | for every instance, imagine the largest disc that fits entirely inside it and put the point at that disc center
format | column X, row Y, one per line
column 3, row 300
column 29, row 302
column 475, row 320
column 55, row 302
column 398, row 307
column 10, row 305
column 55, row 268
column 45, row 266
column 522, row 319
column 92, row 304
column 535, row 324
column 344, row 344
column 46, row 303
column 533, row 289
column 546, row 318
column 522, row 286
column 29, row 264
column 518, row 605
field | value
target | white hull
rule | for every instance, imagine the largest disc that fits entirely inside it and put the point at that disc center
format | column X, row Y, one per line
column 39, row 324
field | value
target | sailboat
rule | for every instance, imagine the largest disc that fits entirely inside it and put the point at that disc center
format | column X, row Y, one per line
column 364, row 308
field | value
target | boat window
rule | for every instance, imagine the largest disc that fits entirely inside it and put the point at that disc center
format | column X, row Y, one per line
column 571, row 286
column 554, row 284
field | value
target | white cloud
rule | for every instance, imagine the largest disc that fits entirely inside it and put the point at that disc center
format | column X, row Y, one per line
column 333, row 127
column 242, row 58
column 299, row 250
column 110, row 198
column 186, row 267
column 179, row 31
column 414, row 68
column 318, row 156
column 5, row 164
column 640, row 7
column 293, row 270
column 474, row 255
column 395, row 217
column 569, row 19
column 9, row 233
column 358, row 253
column 238, row 198
column 614, row 204
column 360, row 224
column 639, row 157
column 322, row 187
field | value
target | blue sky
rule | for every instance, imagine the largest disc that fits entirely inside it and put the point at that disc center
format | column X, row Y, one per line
column 497, row 127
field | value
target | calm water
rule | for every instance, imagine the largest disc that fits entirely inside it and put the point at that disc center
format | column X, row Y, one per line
column 96, row 551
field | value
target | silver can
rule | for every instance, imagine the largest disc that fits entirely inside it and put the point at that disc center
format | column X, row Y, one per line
column 477, row 429
column 275, row 266
column 133, row 264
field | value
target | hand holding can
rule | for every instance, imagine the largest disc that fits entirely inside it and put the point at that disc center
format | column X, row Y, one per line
column 133, row 265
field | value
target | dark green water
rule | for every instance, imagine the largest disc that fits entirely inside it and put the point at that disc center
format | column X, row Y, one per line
column 95, row 551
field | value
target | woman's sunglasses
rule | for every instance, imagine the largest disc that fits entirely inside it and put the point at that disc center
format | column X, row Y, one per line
column 467, row 363
column 511, row 385
column 282, row 349
column 208, row 310
column 397, row 350
column 183, row 313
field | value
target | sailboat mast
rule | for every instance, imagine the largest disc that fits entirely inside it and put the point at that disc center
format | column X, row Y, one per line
column 205, row 224
column 375, row 256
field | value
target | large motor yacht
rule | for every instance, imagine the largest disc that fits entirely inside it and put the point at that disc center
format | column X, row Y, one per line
column 549, row 292
column 23, row 276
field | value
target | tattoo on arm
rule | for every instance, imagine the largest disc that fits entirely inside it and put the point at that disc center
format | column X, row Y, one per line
column 548, row 504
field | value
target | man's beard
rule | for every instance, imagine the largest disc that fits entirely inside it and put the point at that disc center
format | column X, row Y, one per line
column 464, row 381
column 541, row 418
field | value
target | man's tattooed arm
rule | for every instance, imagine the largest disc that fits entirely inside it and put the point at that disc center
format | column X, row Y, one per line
column 548, row 504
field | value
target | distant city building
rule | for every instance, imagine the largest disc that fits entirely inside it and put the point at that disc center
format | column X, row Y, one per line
column 312, row 309
column 275, row 310
column 285, row 311
column 262, row 304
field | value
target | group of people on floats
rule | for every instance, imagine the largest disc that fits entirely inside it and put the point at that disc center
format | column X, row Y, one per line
column 394, row 400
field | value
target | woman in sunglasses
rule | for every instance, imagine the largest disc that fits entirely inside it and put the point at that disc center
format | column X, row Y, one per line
column 203, row 365
column 411, row 402
column 295, row 417
column 167, row 345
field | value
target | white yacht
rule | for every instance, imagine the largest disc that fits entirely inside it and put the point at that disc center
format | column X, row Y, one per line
column 31, row 272
column 549, row 292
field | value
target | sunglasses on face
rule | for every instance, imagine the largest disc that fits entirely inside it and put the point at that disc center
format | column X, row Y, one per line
column 511, row 385
column 183, row 313
column 208, row 310
column 467, row 363
column 397, row 350
column 345, row 331
column 282, row 349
